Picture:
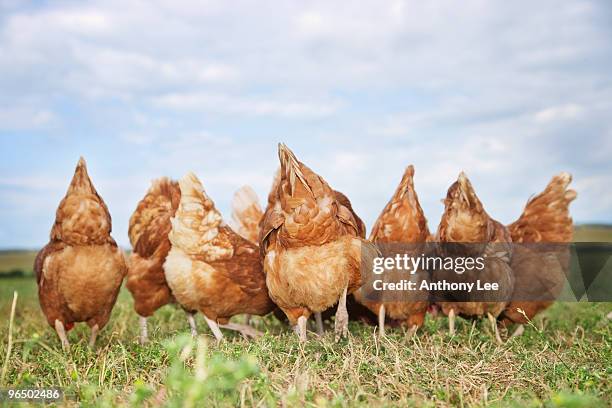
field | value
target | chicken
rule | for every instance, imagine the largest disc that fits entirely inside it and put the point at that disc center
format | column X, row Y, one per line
column 246, row 209
column 466, row 230
column 246, row 213
column 80, row 271
column 210, row 268
column 541, row 269
column 402, row 221
column 311, row 247
column 148, row 232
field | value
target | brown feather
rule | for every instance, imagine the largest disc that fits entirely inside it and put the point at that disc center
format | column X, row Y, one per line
column 310, row 241
column 545, row 219
column 465, row 221
column 402, row 221
column 246, row 213
column 546, row 216
column 148, row 232
column 211, row 268
column 79, row 273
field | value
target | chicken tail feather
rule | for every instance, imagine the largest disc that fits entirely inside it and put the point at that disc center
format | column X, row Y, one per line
column 196, row 224
column 246, row 213
column 150, row 222
column 546, row 216
column 291, row 167
column 81, row 183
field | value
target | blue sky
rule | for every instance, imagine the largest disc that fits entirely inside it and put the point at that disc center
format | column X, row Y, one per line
column 509, row 92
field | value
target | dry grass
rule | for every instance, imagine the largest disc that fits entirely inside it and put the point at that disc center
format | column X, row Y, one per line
column 564, row 360
column 568, row 361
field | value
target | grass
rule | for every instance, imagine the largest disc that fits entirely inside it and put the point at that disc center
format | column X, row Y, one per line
column 563, row 361
column 568, row 361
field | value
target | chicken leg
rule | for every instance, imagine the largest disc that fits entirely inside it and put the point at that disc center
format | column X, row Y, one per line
column 451, row 322
column 245, row 330
column 144, row 332
column 94, row 335
column 381, row 321
column 341, row 325
column 59, row 328
column 300, row 328
column 519, row 331
column 493, row 322
column 192, row 324
column 214, row 327
column 319, row 321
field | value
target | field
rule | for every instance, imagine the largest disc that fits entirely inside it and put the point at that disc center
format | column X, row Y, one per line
column 17, row 262
column 563, row 360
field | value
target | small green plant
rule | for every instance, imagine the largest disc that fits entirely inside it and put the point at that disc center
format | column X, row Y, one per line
column 194, row 379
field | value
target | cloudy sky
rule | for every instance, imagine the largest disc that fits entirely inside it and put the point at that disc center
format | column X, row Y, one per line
column 510, row 92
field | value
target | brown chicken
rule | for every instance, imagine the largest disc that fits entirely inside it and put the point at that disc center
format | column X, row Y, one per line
column 311, row 246
column 402, row 221
column 246, row 213
column 79, row 272
column 148, row 232
column 545, row 220
column 246, row 209
column 210, row 268
column 466, row 223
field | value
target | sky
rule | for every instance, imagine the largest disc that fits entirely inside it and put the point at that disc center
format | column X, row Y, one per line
column 509, row 92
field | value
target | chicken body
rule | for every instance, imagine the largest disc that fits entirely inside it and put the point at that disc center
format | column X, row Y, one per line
column 148, row 232
column 466, row 223
column 210, row 268
column 80, row 271
column 545, row 220
column 311, row 246
column 402, row 221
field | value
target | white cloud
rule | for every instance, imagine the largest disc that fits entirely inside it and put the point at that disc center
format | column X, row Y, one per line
column 26, row 118
column 227, row 104
column 556, row 113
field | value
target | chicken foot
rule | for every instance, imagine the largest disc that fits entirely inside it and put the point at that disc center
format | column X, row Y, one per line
column 300, row 328
column 319, row 321
column 381, row 321
column 59, row 328
column 341, row 324
column 94, row 335
column 144, row 331
column 244, row 329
